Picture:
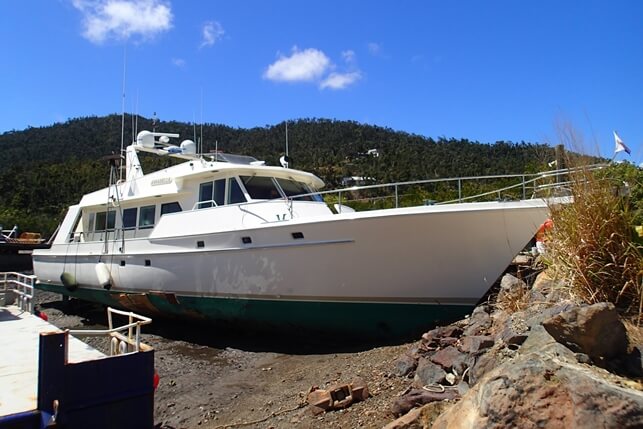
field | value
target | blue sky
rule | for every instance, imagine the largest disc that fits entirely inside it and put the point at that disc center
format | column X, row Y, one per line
column 482, row 70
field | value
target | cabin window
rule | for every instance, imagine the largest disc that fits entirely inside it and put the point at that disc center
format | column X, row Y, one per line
column 129, row 218
column 292, row 188
column 90, row 221
column 211, row 193
column 147, row 216
column 260, row 188
column 235, row 194
column 105, row 220
column 170, row 208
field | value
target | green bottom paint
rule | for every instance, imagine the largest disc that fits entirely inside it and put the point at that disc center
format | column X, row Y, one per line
column 372, row 320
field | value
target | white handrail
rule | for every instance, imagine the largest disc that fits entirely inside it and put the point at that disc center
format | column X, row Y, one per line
column 120, row 343
column 21, row 285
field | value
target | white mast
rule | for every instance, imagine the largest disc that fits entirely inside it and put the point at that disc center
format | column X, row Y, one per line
column 123, row 109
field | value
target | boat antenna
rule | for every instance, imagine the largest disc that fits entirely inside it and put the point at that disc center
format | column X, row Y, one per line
column 194, row 129
column 154, row 118
column 285, row 160
column 216, row 150
column 133, row 131
column 136, row 125
column 201, row 137
column 123, row 108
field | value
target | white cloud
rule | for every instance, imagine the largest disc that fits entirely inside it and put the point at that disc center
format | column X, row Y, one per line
column 179, row 62
column 212, row 32
column 302, row 66
column 340, row 80
column 122, row 19
column 349, row 56
column 374, row 48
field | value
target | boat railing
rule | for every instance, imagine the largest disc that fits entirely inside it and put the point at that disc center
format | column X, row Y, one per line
column 552, row 183
column 123, row 339
column 21, row 286
column 523, row 186
column 8, row 233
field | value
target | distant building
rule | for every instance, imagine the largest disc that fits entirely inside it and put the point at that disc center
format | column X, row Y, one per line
column 357, row 181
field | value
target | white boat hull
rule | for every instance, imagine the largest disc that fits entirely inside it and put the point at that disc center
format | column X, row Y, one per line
column 438, row 255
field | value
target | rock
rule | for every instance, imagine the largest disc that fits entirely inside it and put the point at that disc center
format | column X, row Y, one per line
column 419, row 418
column 514, row 330
column 479, row 322
column 481, row 366
column 634, row 362
column 434, row 335
column 583, row 358
column 404, row 365
column 536, row 318
column 428, row 373
column 512, row 336
column 511, row 288
column 539, row 341
column 476, row 343
column 538, row 390
column 450, row 358
column 417, row 397
column 463, row 388
column 536, row 297
column 407, row 421
column 595, row 330
column 447, row 341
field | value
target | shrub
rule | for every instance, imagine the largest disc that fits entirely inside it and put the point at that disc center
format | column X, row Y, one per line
column 594, row 244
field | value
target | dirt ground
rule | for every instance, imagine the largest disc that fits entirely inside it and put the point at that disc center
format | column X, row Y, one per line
column 211, row 377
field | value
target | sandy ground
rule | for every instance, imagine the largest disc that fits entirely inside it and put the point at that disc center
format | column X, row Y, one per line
column 211, row 377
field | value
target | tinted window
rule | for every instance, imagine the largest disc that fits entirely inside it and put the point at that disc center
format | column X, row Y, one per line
column 90, row 225
column 170, row 208
column 235, row 194
column 212, row 191
column 101, row 219
column 219, row 191
column 260, row 188
column 146, row 218
column 292, row 188
column 205, row 195
column 129, row 218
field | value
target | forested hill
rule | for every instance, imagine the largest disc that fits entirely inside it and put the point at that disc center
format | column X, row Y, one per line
column 46, row 169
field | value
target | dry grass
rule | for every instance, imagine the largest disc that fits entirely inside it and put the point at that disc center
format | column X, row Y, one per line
column 634, row 333
column 592, row 244
column 513, row 301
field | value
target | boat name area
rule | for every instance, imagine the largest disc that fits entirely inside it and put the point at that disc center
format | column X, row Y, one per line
column 162, row 181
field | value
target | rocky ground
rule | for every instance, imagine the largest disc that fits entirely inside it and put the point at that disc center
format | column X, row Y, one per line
column 531, row 358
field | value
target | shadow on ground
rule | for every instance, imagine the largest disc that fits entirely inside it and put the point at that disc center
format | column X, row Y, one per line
column 223, row 335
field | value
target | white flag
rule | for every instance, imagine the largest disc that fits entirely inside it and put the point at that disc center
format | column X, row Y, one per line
column 619, row 145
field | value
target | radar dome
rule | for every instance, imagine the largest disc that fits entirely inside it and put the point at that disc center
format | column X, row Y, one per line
column 145, row 139
column 189, row 147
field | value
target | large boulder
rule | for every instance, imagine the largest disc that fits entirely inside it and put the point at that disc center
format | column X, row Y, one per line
column 541, row 390
column 594, row 330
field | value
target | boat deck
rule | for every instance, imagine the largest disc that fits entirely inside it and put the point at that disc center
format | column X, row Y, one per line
column 19, row 345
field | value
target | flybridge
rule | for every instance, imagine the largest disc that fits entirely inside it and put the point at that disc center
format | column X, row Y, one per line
column 159, row 143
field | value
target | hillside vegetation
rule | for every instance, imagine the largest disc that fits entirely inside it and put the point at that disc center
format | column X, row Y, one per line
column 46, row 169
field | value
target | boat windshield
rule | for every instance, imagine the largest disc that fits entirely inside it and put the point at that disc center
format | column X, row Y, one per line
column 269, row 188
column 260, row 187
column 292, row 188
